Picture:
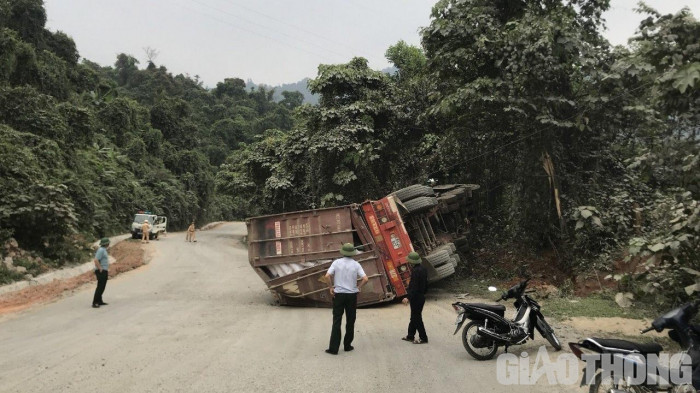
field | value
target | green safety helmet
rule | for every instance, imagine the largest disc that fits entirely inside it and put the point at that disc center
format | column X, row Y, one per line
column 348, row 250
column 413, row 258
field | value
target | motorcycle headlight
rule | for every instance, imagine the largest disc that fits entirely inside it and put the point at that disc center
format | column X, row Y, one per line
column 458, row 309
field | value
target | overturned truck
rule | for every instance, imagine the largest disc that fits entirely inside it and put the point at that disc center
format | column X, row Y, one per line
column 291, row 252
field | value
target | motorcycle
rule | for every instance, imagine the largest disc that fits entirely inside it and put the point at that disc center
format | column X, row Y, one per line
column 634, row 356
column 488, row 329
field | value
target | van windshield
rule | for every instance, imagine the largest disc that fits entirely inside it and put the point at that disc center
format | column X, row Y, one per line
column 139, row 218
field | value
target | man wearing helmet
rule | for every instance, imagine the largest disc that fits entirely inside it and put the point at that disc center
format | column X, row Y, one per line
column 342, row 277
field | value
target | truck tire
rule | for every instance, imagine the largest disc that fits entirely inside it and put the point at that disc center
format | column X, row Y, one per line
column 414, row 191
column 460, row 191
column 442, row 272
column 420, row 204
column 450, row 247
column 438, row 258
column 448, row 198
column 443, row 188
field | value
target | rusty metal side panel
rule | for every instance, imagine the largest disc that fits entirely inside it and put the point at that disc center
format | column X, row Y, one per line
column 309, row 289
column 309, row 241
column 301, row 236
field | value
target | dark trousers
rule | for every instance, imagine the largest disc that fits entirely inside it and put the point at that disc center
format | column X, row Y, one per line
column 343, row 302
column 416, row 322
column 101, row 284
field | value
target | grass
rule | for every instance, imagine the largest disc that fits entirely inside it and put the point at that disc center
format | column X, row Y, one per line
column 9, row 276
column 596, row 305
column 474, row 287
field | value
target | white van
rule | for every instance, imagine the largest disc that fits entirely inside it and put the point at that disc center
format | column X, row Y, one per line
column 158, row 225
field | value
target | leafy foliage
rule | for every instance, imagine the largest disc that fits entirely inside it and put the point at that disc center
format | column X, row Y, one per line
column 581, row 149
column 83, row 147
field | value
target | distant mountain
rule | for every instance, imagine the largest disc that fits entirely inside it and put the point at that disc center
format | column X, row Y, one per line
column 390, row 70
column 301, row 86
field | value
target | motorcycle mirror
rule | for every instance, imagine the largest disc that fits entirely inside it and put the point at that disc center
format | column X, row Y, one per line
column 493, row 289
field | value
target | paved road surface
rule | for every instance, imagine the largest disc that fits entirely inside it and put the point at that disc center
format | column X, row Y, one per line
column 198, row 319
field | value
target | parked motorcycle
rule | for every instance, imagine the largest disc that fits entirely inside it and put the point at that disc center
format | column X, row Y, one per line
column 488, row 329
column 633, row 354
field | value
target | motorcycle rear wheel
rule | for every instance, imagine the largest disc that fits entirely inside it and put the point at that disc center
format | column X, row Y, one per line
column 547, row 332
column 468, row 332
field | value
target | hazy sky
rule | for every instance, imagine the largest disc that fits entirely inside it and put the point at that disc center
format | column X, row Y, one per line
column 268, row 41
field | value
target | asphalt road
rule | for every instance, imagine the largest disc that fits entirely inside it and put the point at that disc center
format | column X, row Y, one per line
column 198, row 319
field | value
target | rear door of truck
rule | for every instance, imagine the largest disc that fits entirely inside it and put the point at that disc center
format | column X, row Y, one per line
column 292, row 252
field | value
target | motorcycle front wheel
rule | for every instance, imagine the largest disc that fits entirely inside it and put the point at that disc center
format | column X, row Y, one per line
column 470, row 336
column 547, row 332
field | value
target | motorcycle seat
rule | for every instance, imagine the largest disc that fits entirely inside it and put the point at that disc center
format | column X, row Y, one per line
column 643, row 348
column 496, row 308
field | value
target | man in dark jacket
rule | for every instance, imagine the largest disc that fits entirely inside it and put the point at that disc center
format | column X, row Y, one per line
column 416, row 296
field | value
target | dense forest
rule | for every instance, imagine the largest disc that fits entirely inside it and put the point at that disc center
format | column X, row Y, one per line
column 581, row 149
column 83, row 147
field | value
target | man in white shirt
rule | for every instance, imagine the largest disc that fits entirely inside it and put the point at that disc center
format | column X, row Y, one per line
column 343, row 275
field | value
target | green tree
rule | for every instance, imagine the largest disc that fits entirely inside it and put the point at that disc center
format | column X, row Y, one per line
column 292, row 99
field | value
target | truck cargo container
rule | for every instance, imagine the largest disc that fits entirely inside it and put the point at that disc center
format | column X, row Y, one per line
column 291, row 252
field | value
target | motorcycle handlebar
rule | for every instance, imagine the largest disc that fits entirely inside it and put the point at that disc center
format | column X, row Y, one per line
column 647, row 330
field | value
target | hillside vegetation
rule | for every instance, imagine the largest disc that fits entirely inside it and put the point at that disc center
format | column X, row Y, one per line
column 583, row 151
column 83, row 147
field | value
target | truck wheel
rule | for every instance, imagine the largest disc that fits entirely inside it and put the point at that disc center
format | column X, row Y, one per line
column 414, row 191
column 455, row 260
column 420, row 204
column 460, row 193
column 438, row 258
column 450, row 247
column 443, row 271
column 448, row 198
column 443, row 188
column 134, row 236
